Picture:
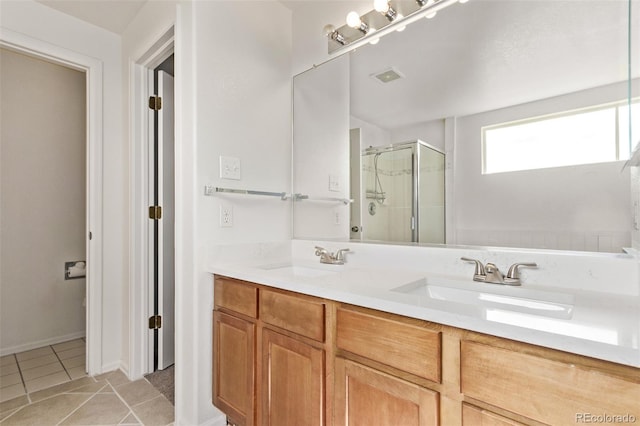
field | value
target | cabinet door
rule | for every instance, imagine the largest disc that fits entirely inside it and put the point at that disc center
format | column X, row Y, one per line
column 233, row 367
column 292, row 381
column 367, row 397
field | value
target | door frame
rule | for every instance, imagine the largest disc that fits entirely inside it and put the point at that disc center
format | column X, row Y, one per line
column 141, row 135
column 92, row 68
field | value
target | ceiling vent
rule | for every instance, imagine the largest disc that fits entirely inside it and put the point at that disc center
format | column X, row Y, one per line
column 388, row 75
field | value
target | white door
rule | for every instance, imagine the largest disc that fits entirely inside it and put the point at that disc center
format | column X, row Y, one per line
column 166, row 189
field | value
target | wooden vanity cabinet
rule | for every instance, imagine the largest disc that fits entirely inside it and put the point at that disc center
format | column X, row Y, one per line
column 282, row 358
column 293, row 359
column 547, row 386
column 269, row 355
column 366, row 395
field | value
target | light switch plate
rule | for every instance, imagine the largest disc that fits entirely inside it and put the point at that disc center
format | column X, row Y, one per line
column 230, row 168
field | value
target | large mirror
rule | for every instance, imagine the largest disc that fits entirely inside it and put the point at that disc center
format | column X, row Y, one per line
column 522, row 108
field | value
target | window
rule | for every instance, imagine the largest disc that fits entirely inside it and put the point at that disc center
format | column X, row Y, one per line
column 595, row 135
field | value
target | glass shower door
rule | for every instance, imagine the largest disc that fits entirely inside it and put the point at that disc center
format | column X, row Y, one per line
column 388, row 207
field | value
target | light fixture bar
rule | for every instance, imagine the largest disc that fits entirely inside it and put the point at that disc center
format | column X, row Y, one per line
column 378, row 23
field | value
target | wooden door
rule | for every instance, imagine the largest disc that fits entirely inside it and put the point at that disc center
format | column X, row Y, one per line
column 292, row 382
column 367, row 397
column 233, row 368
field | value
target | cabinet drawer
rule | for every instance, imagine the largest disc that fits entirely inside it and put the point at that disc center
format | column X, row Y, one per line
column 235, row 296
column 545, row 390
column 406, row 347
column 300, row 315
column 474, row 416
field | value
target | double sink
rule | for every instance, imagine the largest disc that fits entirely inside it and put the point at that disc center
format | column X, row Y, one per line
column 466, row 292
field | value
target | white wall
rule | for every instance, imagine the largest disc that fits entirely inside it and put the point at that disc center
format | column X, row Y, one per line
column 47, row 25
column 242, row 72
column 43, row 199
column 233, row 98
column 586, row 207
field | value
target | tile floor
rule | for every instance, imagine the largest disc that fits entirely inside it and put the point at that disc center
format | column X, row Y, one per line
column 50, row 396
column 37, row 369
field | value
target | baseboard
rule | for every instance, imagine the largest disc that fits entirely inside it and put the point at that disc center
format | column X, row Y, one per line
column 40, row 343
column 216, row 421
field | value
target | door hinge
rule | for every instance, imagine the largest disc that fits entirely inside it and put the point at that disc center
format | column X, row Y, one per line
column 155, row 103
column 155, row 212
column 155, row 322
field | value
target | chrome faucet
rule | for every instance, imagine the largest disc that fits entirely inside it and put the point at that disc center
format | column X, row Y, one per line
column 491, row 274
column 333, row 259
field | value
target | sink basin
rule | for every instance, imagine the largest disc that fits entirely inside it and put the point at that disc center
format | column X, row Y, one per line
column 493, row 296
column 299, row 271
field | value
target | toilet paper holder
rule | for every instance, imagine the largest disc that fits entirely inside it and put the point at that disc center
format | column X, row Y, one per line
column 74, row 270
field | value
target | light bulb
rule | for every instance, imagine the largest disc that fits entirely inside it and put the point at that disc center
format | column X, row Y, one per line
column 353, row 20
column 328, row 30
column 381, row 6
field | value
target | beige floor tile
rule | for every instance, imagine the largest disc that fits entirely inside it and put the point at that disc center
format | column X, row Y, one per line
column 115, row 378
column 101, row 409
column 7, row 360
column 137, row 392
column 43, row 370
column 91, row 388
column 130, row 420
column 11, row 392
column 13, row 404
column 77, row 372
column 52, row 409
column 34, row 353
column 71, row 353
column 10, row 379
column 8, row 369
column 37, row 362
column 74, row 362
column 157, row 411
column 71, row 344
column 47, row 381
column 65, row 387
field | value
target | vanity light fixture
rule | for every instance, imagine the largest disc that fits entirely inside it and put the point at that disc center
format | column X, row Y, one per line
column 386, row 16
column 354, row 21
column 385, row 8
column 331, row 32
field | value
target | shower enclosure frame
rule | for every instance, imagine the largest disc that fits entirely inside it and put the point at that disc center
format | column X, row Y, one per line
column 415, row 179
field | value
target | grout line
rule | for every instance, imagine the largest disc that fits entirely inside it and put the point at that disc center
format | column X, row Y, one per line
column 24, row 383
column 126, row 404
column 60, row 361
column 77, row 408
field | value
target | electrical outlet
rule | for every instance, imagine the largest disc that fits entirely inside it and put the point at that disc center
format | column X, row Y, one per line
column 226, row 216
column 230, row 168
column 336, row 217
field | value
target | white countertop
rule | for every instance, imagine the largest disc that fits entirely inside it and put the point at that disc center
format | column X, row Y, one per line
column 591, row 323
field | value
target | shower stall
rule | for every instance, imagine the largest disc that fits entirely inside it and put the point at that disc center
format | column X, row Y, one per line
column 401, row 194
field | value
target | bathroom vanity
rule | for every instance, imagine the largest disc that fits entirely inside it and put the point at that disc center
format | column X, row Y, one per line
column 294, row 344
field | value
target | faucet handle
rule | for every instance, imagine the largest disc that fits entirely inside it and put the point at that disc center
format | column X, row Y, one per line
column 513, row 278
column 320, row 251
column 513, row 269
column 340, row 254
column 479, row 272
